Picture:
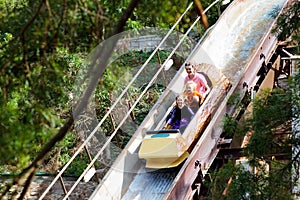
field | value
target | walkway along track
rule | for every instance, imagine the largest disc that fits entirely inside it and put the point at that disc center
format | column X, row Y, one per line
column 234, row 46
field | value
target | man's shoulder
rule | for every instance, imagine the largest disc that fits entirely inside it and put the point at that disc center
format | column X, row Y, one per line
column 201, row 76
column 186, row 79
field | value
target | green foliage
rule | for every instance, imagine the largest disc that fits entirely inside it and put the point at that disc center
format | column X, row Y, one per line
column 24, row 123
column 78, row 166
column 237, row 182
column 229, row 126
column 10, row 5
column 271, row 111
column 243, row 186
column 294, row 88
column 220, row 180
column 147, row 102
column 230, row 123
column 32, row 111
column 271, row 128
column 164, row 14
column 288, row 24
column 233, row 99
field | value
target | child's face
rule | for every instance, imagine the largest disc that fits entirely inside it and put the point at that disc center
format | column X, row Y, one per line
column 180, row 101
column 189, row 89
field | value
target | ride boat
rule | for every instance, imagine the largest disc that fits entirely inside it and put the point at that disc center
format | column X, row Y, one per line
column 167, row 148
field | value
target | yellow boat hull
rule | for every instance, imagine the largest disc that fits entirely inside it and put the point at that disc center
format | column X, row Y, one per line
column 160, row 163
column 163, row 150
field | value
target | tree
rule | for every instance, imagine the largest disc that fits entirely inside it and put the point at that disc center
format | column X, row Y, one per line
column 264, row 176
column 288, row 25
column 28, row 173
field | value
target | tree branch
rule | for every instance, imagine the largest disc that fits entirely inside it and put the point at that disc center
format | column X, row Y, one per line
column 55, row 38
column 200, row 11
column 26, row 26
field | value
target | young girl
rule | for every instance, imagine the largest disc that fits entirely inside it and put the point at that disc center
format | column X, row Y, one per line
column 179, row 116
column 193, row 98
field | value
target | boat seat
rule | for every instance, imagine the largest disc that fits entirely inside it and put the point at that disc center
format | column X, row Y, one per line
column 163, row 131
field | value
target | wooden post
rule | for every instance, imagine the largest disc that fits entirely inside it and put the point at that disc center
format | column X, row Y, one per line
column 114, row 128
column 62, row 184
column 129, row 106
column 90, row 159
column 163, row 72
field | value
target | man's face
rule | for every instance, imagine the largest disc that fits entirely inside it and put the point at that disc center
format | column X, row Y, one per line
column 189, row 69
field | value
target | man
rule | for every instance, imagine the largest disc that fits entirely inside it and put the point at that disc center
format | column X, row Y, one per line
column 201, row 83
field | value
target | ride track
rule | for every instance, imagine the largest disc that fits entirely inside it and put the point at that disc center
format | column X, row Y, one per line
column 233, row 46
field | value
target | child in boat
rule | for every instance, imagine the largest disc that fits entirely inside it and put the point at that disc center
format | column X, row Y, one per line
column 201, row 83
column 179, row 116
column 193, row 99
